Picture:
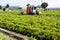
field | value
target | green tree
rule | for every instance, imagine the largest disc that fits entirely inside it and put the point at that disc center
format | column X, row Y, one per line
column 7, row 6
column 44, row 5
column 0, row 7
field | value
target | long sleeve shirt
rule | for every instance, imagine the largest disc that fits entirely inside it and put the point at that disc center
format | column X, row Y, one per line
column 28, row 10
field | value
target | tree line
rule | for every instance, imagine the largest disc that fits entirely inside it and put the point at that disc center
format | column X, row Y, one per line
column 43, row 5
column 7, row 6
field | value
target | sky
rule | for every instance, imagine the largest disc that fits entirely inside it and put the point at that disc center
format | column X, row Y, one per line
column 22, row 3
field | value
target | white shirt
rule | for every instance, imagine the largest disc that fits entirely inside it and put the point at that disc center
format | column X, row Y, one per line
column 34, row 11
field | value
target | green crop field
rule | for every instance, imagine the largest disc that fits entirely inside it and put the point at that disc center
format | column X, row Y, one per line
column 4, row 37
column 45, row 26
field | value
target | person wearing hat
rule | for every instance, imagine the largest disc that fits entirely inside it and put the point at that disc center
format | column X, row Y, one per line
column 28, row 9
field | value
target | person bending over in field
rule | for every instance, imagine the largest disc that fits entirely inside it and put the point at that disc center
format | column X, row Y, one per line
column 34, row 10
column 22, row 12
column 28, row 9
column 4, row 9
column 37, row 11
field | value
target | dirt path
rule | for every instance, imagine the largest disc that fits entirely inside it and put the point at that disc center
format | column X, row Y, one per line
column 7, row 36
column 13, row 35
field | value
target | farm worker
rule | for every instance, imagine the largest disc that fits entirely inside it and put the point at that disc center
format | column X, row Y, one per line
column 22, row 11
column 34, row 10
column 37, row 11
column 4, row 9
column 28, row 9
column 7, row 9
column 31, row 9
